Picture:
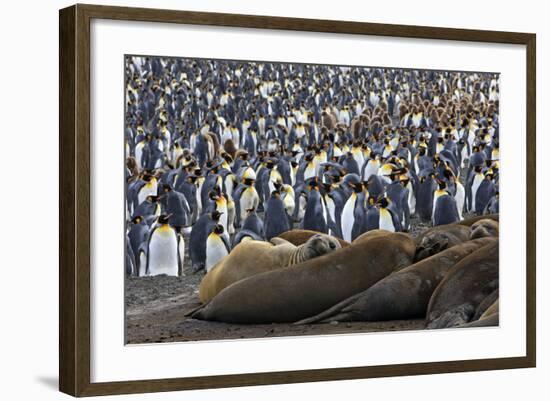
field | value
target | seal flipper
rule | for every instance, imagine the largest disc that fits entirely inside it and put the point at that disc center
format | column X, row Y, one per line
column 196, row 312
column 457, row 316
column 334, row 312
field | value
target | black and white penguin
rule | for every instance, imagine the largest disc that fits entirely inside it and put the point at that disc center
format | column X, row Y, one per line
column 399, row 196
column 217, row 247
column 275, row 219
column 137, row 235
column 445, row 210
column 177, row 207
column 424, row 195
column 197, row 239
column 163, row 250
column 475, row 180
column 315, row 216
column 348, row 213
column 485, row 192
column 246, row 198
column 388, row 218
column 148, row 188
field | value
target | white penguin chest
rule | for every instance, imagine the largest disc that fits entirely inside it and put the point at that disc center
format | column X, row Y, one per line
column 475, row 186
column 385, row 221
column 331, row 207
column 215, row 251
column 348, row 217
column 370, row 169
column 310, row 171
column 145, row 191
column 248, row 198
column 163, row 252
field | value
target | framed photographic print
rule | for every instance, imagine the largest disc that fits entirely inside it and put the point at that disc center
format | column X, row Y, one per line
column 251, row 200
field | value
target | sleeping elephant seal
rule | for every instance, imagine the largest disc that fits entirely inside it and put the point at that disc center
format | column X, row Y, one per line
column 253, row 257
column 439, row 238
column 298, row 237
column 457, row 297
column 402, row 295
column 292, row 293
column 484, row 228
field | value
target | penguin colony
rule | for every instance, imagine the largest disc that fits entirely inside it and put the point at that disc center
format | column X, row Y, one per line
column 220, row 152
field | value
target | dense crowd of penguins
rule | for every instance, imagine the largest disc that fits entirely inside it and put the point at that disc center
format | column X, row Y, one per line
column 218, row 151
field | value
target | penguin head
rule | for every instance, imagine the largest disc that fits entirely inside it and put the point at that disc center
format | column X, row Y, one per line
column 217, row 229
column 147, row 177
column 164, row 218
column 215, row 215
column 357, row 187
column 137, row 219
column 383, row 202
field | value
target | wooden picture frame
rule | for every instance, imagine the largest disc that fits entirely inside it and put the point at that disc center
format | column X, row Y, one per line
column 75, row 206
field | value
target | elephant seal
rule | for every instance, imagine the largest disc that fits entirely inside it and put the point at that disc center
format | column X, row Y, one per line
column 484, row 228
column 298, row 237
column 466, row 285
column 439, row 238
column 253, row 257
column 292, row 293
column 402, row 295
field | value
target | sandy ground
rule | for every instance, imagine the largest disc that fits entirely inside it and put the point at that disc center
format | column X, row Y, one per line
column 155, row 309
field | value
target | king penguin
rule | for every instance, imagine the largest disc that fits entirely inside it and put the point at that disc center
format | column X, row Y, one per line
column 163, row 250
column 217, row 247
column 315, row 216
column 348, row 213
column 388, row 219
column 445, row 210
column 197, row 240
column 275, row 220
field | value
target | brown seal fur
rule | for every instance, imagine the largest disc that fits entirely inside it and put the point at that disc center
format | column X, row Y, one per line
column 468, row 222
column 299, row 237
column 402, row 295
column 254, row 257
column 457, row 297
column 372, row 234
column 293, row 293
